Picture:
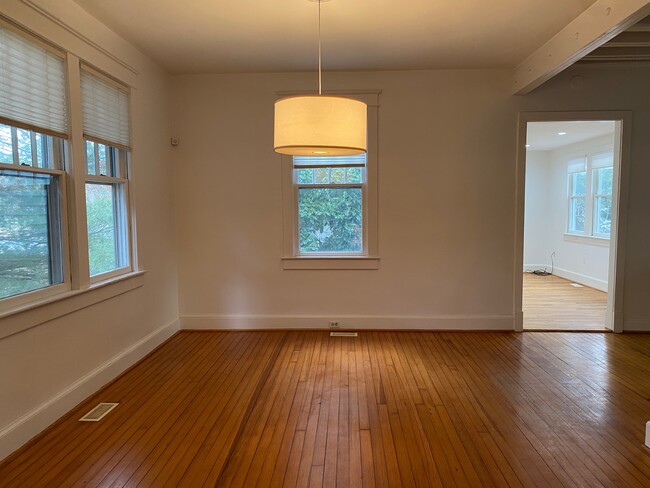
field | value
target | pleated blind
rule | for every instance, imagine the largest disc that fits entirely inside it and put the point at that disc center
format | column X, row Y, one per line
column 32, row 84
column 602, row 160
column 355, row 161
column 105, row 110
column 577, row 165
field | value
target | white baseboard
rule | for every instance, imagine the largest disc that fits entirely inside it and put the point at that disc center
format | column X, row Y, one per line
column 570, row 275
column 582, row 279
column 636, row 326
column 399, row 322
column 532, row 267
column 29, row 425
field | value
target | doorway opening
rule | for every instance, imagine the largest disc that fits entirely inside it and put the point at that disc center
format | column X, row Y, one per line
column 570, row 215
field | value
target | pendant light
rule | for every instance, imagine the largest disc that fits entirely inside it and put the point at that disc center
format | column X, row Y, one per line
column 320, row 125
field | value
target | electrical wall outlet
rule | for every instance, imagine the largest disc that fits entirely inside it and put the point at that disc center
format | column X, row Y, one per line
column 334, row 324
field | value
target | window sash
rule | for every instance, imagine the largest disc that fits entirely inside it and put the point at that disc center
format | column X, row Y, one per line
column 50, row 156
column 330, row 163
column 57, row 240
column 364, row 215
column 119, row 230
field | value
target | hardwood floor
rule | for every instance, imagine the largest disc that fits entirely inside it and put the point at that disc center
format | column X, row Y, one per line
column 551, row 303
column 384, row 409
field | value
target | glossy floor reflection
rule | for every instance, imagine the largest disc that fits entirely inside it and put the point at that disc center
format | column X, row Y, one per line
column 383, row 409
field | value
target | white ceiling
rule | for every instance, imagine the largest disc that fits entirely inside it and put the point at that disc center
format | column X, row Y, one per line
column 199, row 36
column 545, row 136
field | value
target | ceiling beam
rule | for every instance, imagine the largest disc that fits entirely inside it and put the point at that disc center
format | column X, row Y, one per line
column 629, row 39
column 600, row 23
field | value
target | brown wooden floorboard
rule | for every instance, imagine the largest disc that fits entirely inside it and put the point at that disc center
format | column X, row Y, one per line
column 384, row 409
column 552, row 303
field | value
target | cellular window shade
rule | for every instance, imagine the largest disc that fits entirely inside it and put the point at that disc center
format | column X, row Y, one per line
column 105, row 110
column 354, row 161
column 578, row 165
column 602, row 160
column 32, row 84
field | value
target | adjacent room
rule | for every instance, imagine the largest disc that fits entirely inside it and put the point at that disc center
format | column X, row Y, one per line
column 571, row 167
column 324, row 243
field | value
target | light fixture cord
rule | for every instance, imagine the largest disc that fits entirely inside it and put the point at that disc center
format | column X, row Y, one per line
column 320, row 76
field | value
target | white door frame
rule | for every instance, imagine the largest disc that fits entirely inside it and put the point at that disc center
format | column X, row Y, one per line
column 622, row 147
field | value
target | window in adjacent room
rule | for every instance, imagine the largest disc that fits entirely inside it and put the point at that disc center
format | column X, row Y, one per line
column 603, row 175
column 590, row 186
column 577, row 196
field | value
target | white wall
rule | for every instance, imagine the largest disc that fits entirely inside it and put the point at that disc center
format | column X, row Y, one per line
column 579, row 259
column 442, row 227
column 446, row 199
column 536, row 250
column 46, row 370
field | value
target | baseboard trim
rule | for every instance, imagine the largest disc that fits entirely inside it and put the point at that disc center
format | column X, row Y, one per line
column 582, row 279
column 369, row 322
column 589, row 281
column 634, row 326
column 19, row 432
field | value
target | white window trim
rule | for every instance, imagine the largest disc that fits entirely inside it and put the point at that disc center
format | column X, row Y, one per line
column 21, row 312
column 369, row 257
column 44, row 309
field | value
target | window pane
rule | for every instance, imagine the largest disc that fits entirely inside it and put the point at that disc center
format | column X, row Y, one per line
column 603, row 216
column 103, row 165
column 305, row 176
column 577, row 215
column 322, row 176
column 578, row 184
column 355, row 175
column 107, row 248
column 338, row 175
column 40, row 141
column 330, row 220
column 605, row 178
column 90, row 157
column 30, row 232
column 24, row 140
column 6, row 151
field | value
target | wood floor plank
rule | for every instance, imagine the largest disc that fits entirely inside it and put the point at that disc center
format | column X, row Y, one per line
column 387, row 409
column 554, row 303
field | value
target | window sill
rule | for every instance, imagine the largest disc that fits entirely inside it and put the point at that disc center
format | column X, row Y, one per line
column 347, row 262
column 32, row 314
column 595, row 241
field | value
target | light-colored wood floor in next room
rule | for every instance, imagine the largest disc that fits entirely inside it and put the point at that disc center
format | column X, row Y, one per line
column 389, row 409
column 551, row 303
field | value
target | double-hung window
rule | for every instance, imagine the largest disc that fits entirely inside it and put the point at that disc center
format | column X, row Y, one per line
column 53, row 241
column 330, row 193
column 33, row 148
column 603, row 177
column 590, row 186
column 577, row 195
column 330, row 205
column 105, row 107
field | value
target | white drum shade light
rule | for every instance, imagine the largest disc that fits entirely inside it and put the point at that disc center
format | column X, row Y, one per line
column 320, row 125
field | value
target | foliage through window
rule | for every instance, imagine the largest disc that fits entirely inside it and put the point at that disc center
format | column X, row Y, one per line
column 330, row 203
column 31, row 239
column 106, row 203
